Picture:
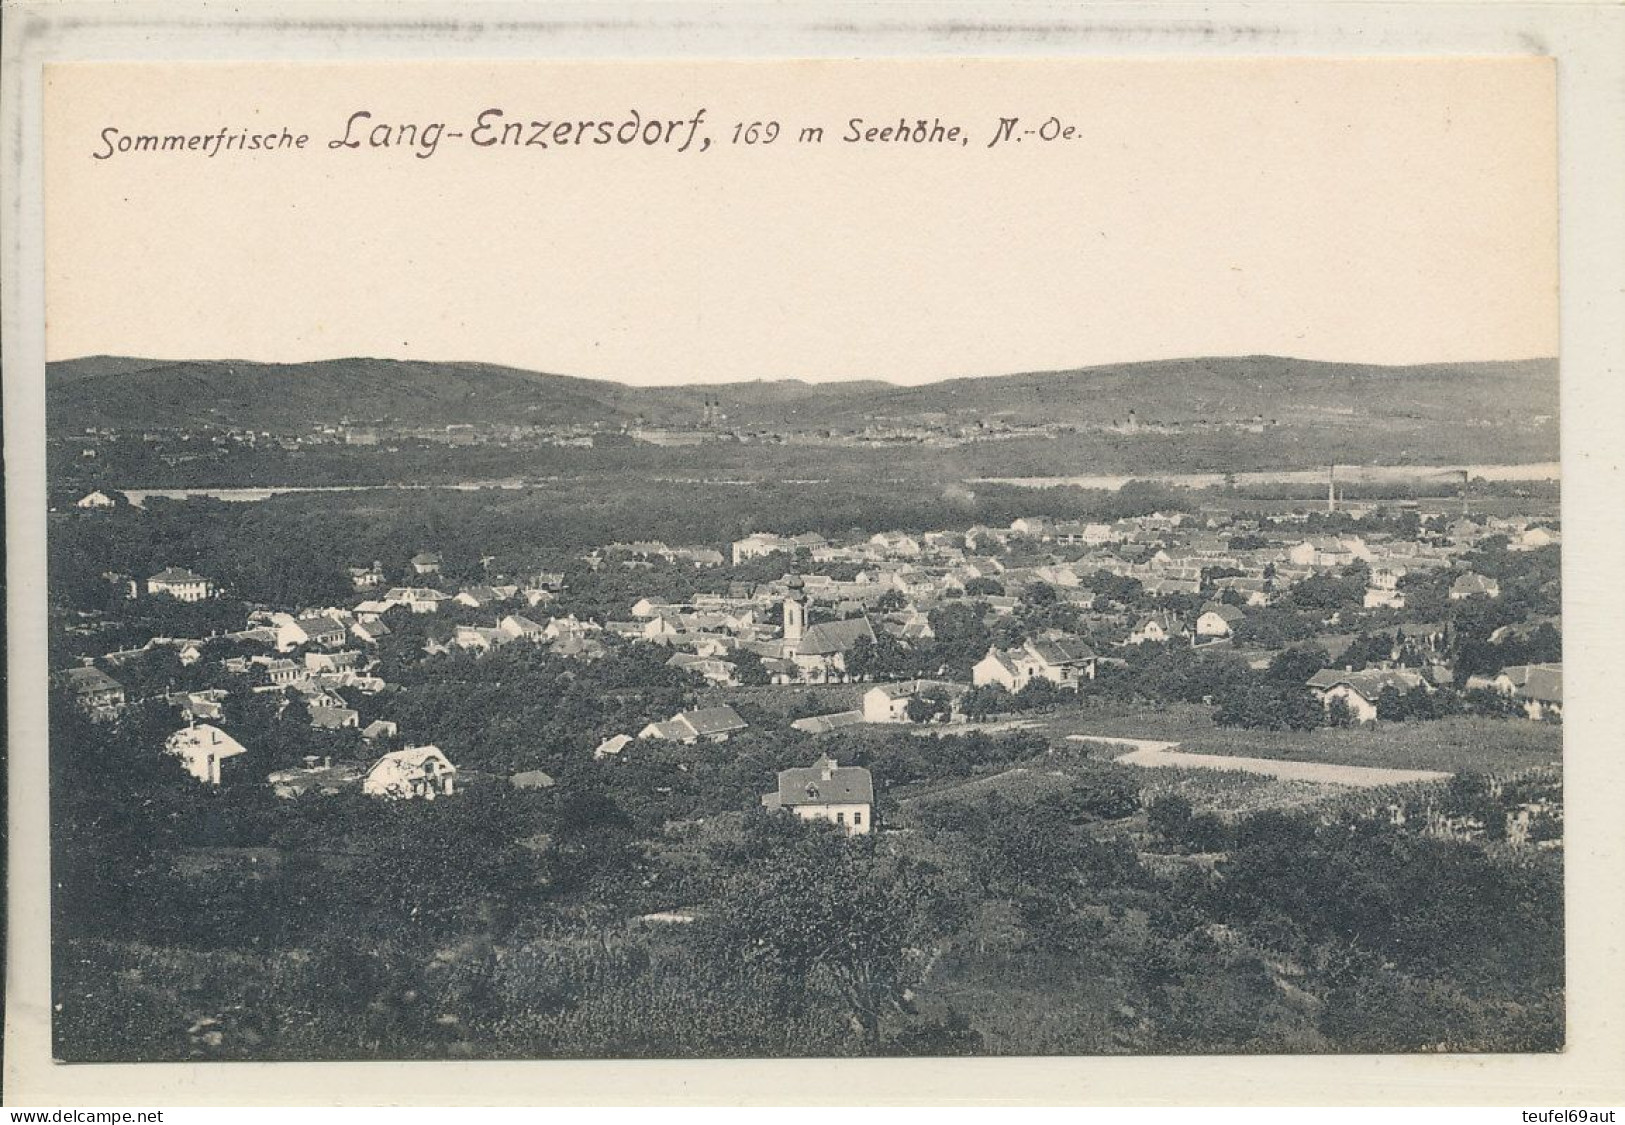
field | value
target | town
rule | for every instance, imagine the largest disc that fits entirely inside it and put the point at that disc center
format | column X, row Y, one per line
column 616, row 719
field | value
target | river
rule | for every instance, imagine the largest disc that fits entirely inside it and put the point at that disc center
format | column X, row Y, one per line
column 139, row 496
column 1346, row 474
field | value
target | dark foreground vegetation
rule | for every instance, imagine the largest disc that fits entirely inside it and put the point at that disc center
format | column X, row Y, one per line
column 1018, row 902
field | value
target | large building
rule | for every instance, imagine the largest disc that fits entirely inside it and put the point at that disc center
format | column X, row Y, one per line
column 181, row 584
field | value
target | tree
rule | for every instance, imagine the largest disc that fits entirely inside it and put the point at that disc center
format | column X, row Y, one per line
column 823, row 908
column 928, row 707
column 1390, row 704
column 1040, row 594
column 890, row 602
column 748, row 667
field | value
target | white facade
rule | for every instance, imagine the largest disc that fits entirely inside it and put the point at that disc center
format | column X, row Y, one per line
column 419, row 771
column 855, row 819
column 202, row 748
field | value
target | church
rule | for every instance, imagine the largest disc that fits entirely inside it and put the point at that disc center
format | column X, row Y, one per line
column 817, row 653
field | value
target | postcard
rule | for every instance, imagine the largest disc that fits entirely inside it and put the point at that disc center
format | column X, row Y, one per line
column 701, row 565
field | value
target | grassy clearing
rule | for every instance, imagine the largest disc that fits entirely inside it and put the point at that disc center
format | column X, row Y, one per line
column 1450, row 745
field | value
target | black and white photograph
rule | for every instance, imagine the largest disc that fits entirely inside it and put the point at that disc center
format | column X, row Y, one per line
column 831, row 559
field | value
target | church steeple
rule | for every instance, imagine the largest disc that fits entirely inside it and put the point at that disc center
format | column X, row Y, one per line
column 795, row 610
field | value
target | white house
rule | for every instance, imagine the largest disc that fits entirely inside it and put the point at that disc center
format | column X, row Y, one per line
column 888, row 703
column 94, row 500
column 419, row 599
column 1217, row 621
column 1530, row 539
column 201, row 748
column 1360, row 691
column 181, row 584
column 714, row 724
column 842, row 795
column 1538, row 687
column 1156, row 627
column 315, row 628
column 521, row 628
column 404, row 775
column 759, row 546
column 1064, row 662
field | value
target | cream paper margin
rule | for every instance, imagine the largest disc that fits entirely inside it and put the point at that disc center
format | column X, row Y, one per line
column 1589, row 43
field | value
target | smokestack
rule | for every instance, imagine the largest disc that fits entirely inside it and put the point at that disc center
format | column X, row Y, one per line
column 1331, row 488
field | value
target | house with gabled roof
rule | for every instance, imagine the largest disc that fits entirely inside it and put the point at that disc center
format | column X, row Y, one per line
column 888, row 703
column 840, row 795
column 370, row 632
column 334, row 718
column 478, row 597
column 94, row 692
column 1217, row 621
column 418, row 772
column 1537, row 687
column 314, row 628
column 1359, row 691
column 477, row 638
column 522, row 628
column 1155, row 627
column 612, row 746
column 1472, row 585
column 1063, row 661
column 714, row 724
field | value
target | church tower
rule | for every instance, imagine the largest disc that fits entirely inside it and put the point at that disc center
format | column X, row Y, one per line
column 795, row 612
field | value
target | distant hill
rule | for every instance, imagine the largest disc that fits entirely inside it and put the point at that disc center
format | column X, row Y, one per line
column 124, row 392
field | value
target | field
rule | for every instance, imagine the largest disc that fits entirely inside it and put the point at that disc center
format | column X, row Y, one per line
column 1450, row 745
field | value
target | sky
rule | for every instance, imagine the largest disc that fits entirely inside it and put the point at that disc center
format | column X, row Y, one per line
column 1378, row 211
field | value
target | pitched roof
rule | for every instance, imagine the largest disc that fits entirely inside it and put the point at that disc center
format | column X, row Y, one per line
column 1369, row 683
column 415, row 757
column 826, row 783
column 711, row 720
column 317, row 624
column 176, row 575
column 332, row 718
column 90, row 678
column 614, row 744
column 819, row 724
column 1064, row 650
column 830, row 637
column 1541, row 682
